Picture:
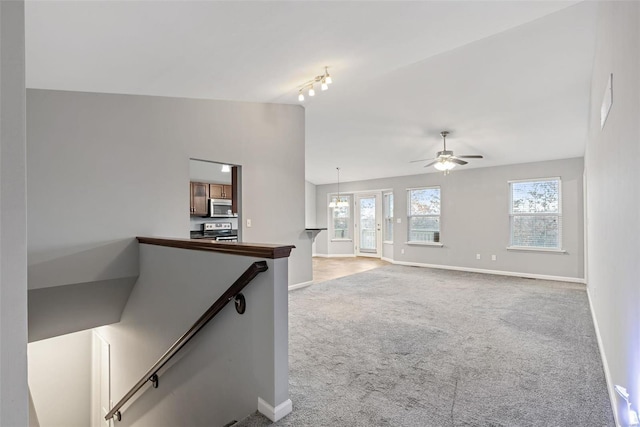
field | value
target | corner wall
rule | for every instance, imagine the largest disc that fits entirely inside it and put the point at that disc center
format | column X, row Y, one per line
column 612, row 171
column 222, row 372
column 60, row 379
column 475, row 219
column 106, row 168
column 14, row 397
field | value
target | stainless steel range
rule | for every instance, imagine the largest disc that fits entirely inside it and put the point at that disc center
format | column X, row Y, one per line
column 218, row 231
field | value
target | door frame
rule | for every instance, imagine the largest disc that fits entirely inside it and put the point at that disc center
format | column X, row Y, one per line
column 378, row 221
column 100, row 370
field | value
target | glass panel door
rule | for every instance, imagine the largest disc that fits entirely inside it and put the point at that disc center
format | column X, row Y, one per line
column 368, row 225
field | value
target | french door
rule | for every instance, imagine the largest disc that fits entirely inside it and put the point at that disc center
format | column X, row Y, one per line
column 368, row 239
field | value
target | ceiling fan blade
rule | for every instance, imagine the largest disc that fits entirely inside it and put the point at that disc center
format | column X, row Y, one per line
column 471, row 156
column 431, row 164
column 457, row 160
column 422, row 160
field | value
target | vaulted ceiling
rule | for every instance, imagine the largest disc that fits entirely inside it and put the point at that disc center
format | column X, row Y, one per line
column 509, row 79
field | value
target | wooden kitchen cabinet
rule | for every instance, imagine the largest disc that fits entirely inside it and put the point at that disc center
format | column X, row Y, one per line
column 220, row 191
column 199, row 199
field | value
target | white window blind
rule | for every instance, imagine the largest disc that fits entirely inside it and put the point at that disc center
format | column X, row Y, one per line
column 424, row 214
column 341, row 218
column 388, row 216
column 535, row 214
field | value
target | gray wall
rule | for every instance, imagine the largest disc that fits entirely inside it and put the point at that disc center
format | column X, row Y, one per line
column 310, row 210
column 612, row 165
column 475, row 219
column 310, row 204
column 60, row 378
column 103, row 169
column 106, row 168
column 220, row 374
column 14, row 402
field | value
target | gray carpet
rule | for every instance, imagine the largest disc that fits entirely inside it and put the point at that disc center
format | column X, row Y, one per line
column 407, row 346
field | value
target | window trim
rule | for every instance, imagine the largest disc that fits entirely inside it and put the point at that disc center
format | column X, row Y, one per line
column 409, row 216
column 332, row 230
column 511, row 246
column 385, row 195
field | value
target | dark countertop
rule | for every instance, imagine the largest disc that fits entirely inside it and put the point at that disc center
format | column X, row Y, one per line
column 260, row 250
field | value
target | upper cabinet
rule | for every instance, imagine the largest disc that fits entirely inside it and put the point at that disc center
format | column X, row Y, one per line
column 199, row 198
column 220, row 191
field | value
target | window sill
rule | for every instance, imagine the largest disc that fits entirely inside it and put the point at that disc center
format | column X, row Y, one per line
column 436, row 244
column 528, row 249
column 342, row 240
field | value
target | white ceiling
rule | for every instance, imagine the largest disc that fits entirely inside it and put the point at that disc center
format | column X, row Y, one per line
column 509, row 79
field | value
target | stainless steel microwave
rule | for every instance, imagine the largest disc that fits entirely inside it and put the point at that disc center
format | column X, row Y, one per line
column 220, row 208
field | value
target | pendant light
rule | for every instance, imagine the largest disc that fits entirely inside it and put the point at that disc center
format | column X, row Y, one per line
column 338, row 202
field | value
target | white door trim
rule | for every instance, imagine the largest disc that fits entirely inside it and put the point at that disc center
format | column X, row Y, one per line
column 377, row 195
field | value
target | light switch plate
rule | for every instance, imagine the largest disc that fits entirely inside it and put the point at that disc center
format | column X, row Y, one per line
column 248, row 223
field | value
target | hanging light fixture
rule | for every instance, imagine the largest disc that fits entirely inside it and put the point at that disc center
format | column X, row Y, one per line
column 324, row 79
column 338, row 202
column 226, row 168
column 444, row 165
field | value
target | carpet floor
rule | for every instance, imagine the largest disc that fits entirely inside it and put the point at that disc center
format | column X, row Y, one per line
column 408, row 346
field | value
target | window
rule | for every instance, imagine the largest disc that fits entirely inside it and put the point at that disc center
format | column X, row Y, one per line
column 387, row 206
column 341, row 218
column 424, row 214
column 535, row 214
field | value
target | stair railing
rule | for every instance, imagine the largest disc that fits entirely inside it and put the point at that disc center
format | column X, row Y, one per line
column 233, row 293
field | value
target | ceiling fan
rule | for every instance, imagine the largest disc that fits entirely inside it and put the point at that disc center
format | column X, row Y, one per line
column 445, row 160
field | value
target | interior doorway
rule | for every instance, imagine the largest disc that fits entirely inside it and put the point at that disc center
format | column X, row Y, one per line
column 101, row 381
column 368, row 236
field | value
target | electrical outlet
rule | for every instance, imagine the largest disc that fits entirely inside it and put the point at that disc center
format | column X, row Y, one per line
column 477, row 256
column 402, row 251
column 399, row 220
column 493, row 258
column 248, row 223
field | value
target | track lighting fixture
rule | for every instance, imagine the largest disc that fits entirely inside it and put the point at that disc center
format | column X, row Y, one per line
column 324, row 80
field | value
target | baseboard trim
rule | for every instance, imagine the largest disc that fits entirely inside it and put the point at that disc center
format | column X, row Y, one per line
column 496, row 272
column 277, row 413
column 387, row 259
column 605, row 364
column 300, row 285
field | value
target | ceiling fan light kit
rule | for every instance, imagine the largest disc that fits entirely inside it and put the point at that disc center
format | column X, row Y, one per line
column 324, row 79
column 445, row 160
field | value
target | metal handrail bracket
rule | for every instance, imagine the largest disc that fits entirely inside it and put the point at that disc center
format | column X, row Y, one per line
column 233, row 293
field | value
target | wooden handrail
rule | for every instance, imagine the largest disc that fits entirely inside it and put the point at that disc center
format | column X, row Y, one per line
column 232, row 293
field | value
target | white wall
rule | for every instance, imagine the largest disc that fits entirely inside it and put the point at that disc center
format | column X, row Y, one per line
column 60, row 379
column 612, row 169
column 475, row 219
column 14, row 401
